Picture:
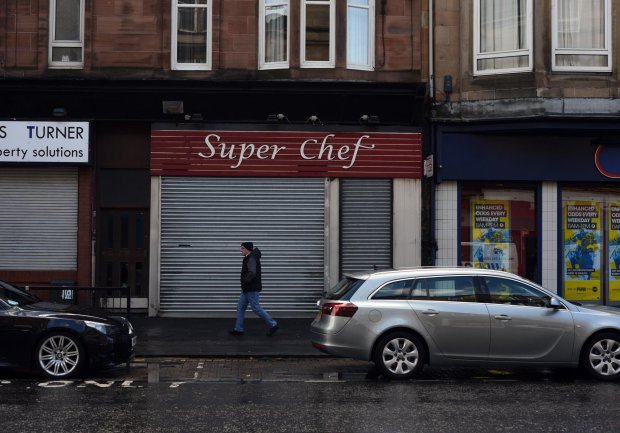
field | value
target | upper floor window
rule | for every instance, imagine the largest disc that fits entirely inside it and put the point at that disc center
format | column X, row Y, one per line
column 360, row 34
column 66, row 34
column 581, row 35
column 273, row 33
column 502, row 36
column 318, row 30
column 191, row 34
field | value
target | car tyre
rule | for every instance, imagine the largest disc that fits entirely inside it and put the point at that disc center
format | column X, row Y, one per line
column 60, row 355
column 399, row 355
column 601, row 356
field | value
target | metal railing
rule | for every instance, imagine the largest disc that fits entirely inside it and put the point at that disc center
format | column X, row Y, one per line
column 116, row 299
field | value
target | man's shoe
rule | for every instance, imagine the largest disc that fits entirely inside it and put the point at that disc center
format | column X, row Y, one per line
column 272, row 330
column 235, row 332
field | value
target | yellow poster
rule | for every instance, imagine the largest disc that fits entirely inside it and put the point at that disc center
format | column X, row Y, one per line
column 582, row 258
column 614, row 252
column 491, row 234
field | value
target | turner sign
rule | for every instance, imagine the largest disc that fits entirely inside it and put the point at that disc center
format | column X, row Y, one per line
column 44, row 142
column 286, row 153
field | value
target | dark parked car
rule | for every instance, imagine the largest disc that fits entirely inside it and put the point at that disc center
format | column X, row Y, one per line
column 59, row 340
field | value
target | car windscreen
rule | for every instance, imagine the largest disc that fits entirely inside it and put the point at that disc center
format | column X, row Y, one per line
column 344, row 289
column 15, row 296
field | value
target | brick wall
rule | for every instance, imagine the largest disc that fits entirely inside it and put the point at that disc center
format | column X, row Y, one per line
column 131, row 39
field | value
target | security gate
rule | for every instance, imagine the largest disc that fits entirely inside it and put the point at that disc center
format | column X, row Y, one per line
column 204, row 221
column 366, row 224
column 39, row 220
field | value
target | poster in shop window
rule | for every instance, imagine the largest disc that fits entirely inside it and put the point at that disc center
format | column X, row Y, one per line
column 491, row 234
column 582, row 258
column 614, row 252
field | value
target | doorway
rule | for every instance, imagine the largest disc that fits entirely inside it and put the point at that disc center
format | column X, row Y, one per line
column 123, row 252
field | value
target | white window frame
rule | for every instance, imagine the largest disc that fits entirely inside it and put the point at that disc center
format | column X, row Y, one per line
column 64, row 44
column 370, row 66
column 262, row 64
column 331, row 63
column 174, row 47
column 500, row 54
column 592, row 51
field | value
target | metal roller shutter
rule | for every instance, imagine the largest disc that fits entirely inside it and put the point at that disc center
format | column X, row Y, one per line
column 365, row 224
column 204, row 221
column 38, row 218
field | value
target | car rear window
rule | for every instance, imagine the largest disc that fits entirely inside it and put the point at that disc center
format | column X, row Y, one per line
column 344, row 289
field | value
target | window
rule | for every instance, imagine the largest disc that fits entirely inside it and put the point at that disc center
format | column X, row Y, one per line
column 581, row 35
column 318, row 34
column 66, row 34
column 502, row 36
column 273, row 34
column 505, row 291
column 457, row 288
column 499, row 228
column 191, row 34
column 360, row 34
column 394, row 290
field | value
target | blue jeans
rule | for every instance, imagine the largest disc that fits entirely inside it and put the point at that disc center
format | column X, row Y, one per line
column 253, row 299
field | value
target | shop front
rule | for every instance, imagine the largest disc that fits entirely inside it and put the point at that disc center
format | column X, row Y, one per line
column 316, row 201
column 540, row 200
column 45, row 197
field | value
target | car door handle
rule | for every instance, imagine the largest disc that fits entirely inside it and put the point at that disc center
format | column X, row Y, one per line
column 430, row 312
column 503, row 317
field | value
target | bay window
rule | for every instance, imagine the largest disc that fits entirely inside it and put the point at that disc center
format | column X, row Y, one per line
column 318, row 26
column 502, row 36
column 581, row 35
column 274, row 25
column 360, row 34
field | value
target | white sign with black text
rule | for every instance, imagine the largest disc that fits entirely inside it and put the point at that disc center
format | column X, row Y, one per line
column 46, row 142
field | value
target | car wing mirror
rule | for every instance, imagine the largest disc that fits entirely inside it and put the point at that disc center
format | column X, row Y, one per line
column 555, row 304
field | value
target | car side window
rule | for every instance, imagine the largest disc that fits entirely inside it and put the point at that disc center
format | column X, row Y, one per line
column 394, row 290
column 506, row 291
column 458, row 288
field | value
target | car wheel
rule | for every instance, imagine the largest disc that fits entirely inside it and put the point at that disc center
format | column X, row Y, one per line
column 60, row 355
column 399, row 355
column 601, row 356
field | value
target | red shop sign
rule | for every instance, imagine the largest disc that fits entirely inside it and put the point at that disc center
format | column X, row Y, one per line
column 279, row 153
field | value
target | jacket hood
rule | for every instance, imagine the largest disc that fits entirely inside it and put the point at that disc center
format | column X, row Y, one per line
column 257, row 252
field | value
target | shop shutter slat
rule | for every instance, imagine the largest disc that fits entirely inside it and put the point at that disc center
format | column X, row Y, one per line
column 38, row 218
column 366, row 224
column 204, row 221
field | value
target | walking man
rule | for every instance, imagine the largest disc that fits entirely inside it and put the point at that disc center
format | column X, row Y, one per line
column 251, row 285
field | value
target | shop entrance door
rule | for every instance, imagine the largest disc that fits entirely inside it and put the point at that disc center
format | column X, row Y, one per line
column 122, row 258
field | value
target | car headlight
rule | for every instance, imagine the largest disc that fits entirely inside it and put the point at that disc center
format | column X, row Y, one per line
column 101, row 327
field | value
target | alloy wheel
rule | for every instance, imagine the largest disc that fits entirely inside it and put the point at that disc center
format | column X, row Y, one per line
column 59, row 355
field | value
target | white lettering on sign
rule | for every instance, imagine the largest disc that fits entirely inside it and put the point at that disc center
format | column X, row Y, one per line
column 328, row 150
column 238, row 153
column 45, row 142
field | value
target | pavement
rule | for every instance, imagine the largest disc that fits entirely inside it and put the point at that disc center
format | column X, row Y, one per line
column 160, row 337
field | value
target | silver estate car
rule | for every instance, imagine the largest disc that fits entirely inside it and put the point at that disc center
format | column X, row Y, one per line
column 404, row 319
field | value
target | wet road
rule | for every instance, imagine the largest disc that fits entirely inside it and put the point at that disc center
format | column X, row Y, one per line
column 305, row 395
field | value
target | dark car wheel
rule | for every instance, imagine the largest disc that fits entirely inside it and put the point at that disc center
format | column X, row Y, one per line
column 399, row 355
column 60, row 355
column 601, row 356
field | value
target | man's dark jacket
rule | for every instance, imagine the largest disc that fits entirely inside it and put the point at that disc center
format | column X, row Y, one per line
column 251, row 280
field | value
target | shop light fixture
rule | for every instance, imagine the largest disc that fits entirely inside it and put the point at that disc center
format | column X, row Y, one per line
column 275, row 118
column 59, row 112
column 369, row 119
column 314, row 120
